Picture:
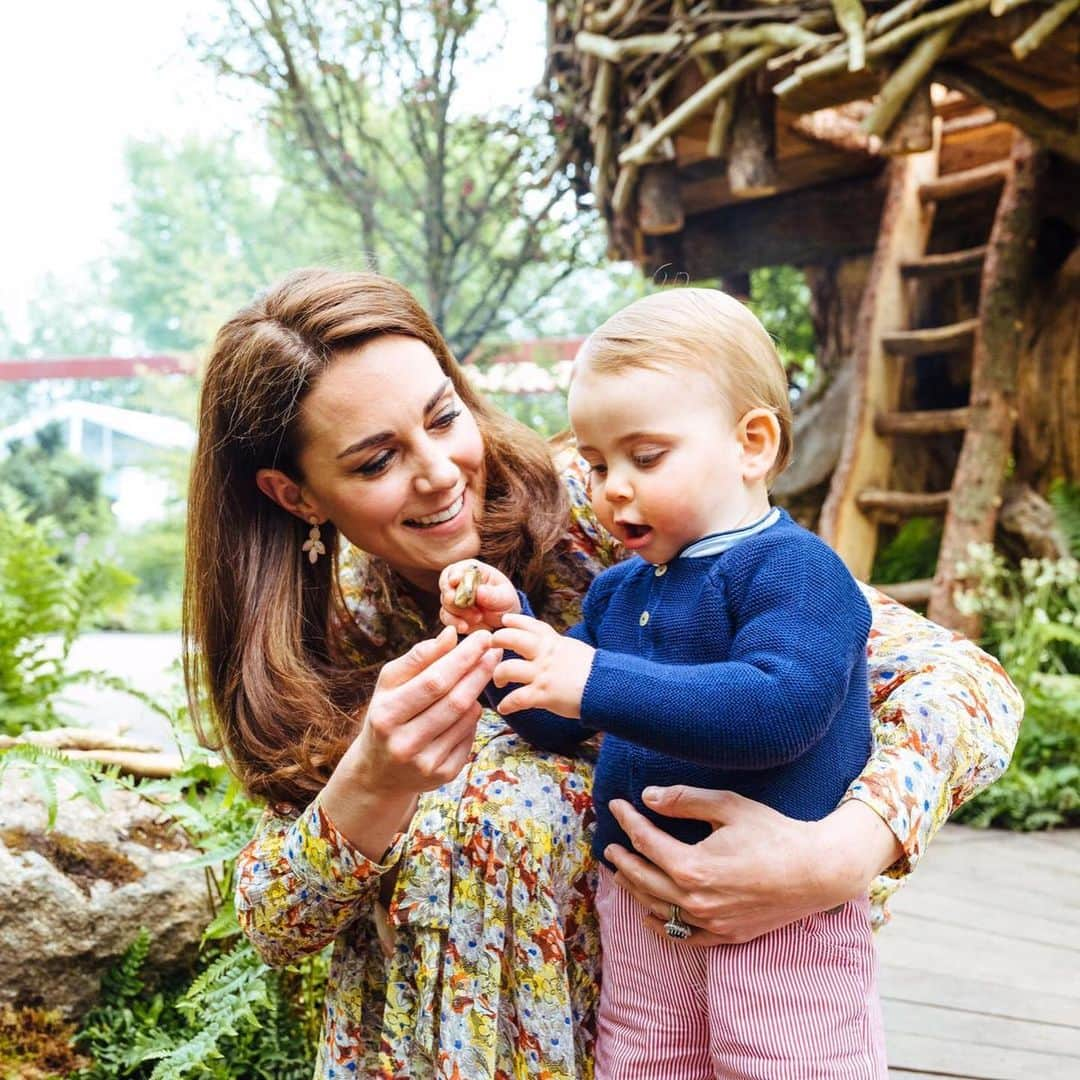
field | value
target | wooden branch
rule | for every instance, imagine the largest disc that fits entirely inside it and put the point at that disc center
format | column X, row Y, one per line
column 660, row 209
column 913, row 131
column 615, row 50
column 833, row 129
column 836, row 61
column 624, row 189
column 894, row 16
column 953, row 185
column 909, row 593
column 720, row 126
column 701, row 99
column 1014, row 107
column 980, row 470
column 999, row 7
column 902, row 504
column 751, row 161
column 909, row 73
column 933, row 339
column 851, row 18
column 922, row 421
column 605, row 20
column 1042, row 28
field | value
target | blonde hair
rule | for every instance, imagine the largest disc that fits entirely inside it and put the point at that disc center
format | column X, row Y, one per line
column 709, row 331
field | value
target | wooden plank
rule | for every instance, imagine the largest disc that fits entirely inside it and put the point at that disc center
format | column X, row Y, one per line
column 948, row 1057
column 1046, row 929
column 963, row 183
column 922, row 421
column 976, row 995
column 1005, row 1033
column 951, row 264
column 931, row 339
column 910, row 593
column 975, row 953
column 866, row 458
column 891, row 505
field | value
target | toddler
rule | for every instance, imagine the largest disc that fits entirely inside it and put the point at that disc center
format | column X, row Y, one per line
column 728, row 652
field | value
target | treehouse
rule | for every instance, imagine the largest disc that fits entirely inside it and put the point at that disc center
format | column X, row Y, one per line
column 920, row 161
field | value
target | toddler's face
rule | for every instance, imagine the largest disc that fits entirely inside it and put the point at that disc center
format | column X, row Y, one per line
column 666, row 460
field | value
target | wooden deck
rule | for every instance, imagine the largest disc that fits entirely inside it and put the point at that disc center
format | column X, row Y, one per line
column 980, row 967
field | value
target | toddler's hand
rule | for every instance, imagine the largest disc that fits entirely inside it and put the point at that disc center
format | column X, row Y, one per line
column 475, row 596
column 553, row 669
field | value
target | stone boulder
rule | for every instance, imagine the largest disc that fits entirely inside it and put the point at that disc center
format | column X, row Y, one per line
column 72, row 898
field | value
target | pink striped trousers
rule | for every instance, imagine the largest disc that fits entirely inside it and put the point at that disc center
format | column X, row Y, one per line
column 799, row 1003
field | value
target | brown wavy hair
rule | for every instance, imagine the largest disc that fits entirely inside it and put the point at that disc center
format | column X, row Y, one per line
column 269, row 646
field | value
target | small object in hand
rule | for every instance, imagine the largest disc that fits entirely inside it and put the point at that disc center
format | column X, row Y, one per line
column 465, row 596
column 675, row 927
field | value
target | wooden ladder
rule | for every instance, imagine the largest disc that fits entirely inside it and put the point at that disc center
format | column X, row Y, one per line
column 864, row 493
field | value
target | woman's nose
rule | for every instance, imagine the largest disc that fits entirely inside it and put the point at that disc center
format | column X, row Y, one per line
column 437, row 470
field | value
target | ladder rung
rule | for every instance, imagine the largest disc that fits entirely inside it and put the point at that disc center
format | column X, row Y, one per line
column 971, row 121
column 924, row 422
column 911, row 593
column 931, row 340
column 954, row 184
column 950, row 264
column 902, row 504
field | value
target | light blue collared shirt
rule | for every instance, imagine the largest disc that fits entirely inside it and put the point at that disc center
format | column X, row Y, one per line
column 717, row 543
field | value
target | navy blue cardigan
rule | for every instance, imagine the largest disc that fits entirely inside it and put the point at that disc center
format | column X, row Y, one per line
column 744, row 671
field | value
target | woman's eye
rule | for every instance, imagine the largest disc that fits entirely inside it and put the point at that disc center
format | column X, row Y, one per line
column 446, row 419
column 376, row 465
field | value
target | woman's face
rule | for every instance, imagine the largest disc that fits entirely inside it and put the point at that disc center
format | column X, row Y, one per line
column 393, row 458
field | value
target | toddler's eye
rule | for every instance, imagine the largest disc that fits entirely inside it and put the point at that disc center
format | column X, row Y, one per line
column 643, row 461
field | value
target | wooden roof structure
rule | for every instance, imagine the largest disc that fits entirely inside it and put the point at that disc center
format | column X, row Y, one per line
column 674, row 111
column 922, row 157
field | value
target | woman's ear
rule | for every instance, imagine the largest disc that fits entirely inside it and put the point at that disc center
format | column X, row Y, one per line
column 286, row 492
column 758, row 432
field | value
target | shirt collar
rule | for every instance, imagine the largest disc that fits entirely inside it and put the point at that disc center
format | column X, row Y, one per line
column 717, row 543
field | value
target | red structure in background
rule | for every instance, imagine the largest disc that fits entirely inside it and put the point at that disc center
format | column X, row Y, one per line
column 91, row 367
column 541, row 351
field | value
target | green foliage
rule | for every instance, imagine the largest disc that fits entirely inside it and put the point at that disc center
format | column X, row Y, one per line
column 1031, row 617
column 59, row 488
column 1065, row 499
column 780, row 297
column 911, row 554
column 44, row 605
column 237, row 1019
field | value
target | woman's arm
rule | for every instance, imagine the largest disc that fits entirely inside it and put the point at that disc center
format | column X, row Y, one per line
column 945, row 720
column 302, row 880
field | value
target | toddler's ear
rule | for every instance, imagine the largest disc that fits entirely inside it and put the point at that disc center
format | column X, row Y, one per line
column 758, row 432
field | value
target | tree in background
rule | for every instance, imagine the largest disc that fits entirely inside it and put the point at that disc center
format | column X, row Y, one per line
column 364, row 99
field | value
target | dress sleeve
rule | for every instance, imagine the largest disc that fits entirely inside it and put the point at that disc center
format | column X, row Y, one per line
column 300, row 883
column 945, row 717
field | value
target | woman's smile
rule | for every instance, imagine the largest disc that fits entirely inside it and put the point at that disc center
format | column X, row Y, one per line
column 448, row 516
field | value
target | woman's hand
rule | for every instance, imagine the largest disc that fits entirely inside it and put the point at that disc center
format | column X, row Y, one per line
column 759, row 870
column 475, row 596
column 417, row 734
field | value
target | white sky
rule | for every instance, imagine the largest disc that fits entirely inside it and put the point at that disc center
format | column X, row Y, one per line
column 79, row 78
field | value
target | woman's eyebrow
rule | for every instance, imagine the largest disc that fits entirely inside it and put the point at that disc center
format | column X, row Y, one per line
column 384, row 436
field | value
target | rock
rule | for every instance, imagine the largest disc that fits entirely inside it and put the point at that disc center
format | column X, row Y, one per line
column 75, row 896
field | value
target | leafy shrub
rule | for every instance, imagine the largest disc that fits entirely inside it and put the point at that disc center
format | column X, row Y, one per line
column 44, row 605
column 1031, row 618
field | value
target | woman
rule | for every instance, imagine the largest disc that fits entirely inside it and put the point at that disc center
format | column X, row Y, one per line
column 447, row 861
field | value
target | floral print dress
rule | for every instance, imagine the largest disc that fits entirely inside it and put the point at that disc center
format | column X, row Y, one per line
column 492, row 970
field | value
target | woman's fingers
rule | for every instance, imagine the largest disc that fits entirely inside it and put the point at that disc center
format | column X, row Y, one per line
column 648, row 884
column 431, row 682
column 700, row 804
column 398, row 672
column 650, row 842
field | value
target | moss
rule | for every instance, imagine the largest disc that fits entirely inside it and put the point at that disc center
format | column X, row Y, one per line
column 157, row 835
column 35, row 1044
column 84, row 861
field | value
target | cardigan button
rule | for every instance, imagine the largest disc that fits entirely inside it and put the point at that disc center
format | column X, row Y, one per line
column 661, row 570
column 644, row 618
